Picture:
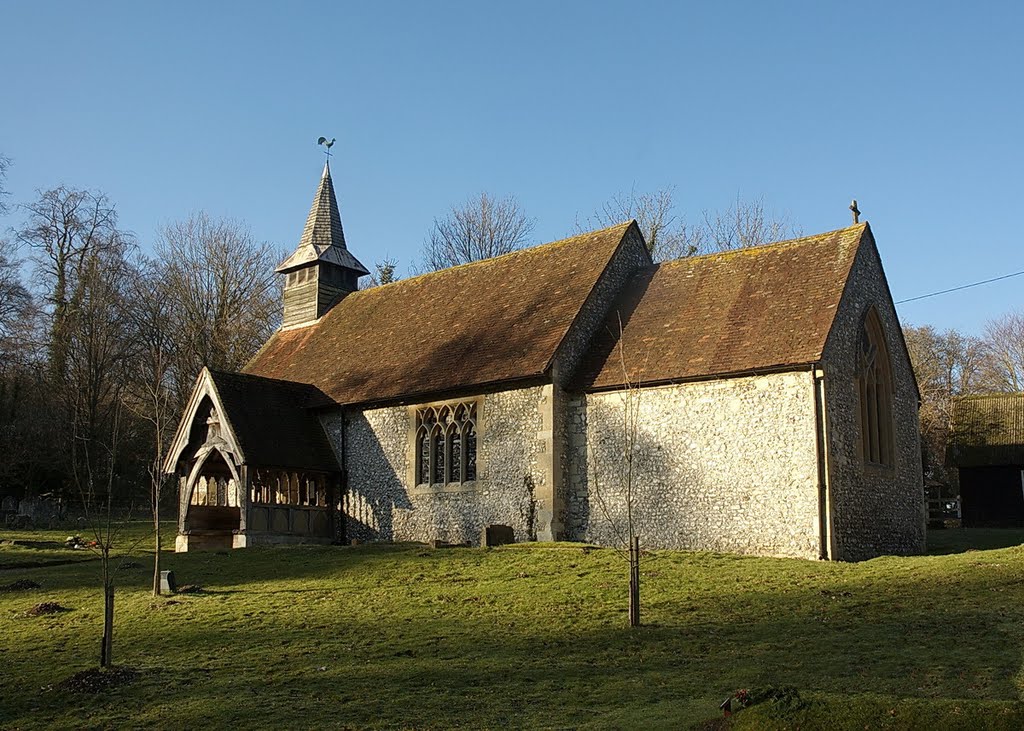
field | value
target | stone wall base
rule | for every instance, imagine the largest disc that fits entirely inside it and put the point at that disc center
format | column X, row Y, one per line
column 203, row 542
column 223, row 541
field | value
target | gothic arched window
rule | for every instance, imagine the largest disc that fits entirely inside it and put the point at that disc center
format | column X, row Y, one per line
column 446, row 443
column 437, row 461
column 874, row 380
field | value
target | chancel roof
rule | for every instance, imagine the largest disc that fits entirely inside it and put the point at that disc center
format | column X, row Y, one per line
column 987, row 430
column 730, row 313
column 323, row 239
column 492, row 321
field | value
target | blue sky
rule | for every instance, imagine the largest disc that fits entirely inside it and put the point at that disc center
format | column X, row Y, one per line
column 915, row 109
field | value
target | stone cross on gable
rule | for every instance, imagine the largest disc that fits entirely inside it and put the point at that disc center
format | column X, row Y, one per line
column 855, row 211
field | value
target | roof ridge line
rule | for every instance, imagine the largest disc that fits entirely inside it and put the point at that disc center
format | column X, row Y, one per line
column 517, row 252
column 758, row 248
column 216, row 371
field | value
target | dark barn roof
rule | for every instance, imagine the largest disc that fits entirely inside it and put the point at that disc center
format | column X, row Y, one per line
column 730, row 313
column 987, row 430
column 273, row 423
column 492, row 321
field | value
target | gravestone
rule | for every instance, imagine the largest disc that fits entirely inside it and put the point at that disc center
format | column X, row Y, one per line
column 497, row 535
column 167, row 582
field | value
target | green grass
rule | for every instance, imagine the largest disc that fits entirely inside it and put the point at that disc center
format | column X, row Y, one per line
column 524, row 637
column 37, row 548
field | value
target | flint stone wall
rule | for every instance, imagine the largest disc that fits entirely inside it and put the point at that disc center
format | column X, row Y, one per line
column 875, row 510
column 728, row 465
column 378, row 451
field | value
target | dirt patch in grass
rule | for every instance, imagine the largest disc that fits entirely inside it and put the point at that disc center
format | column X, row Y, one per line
column 190, row 589
column 98, row 680
column 20, row 585
column 44, row 608
column 48, row 545
column 163, row 605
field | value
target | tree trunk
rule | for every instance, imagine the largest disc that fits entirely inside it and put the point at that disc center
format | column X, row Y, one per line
column 156, row 556
column 108, row 625
column 634, row 581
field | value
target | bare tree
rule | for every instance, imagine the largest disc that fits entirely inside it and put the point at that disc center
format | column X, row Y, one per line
column 617, row 499
column 946, row 364
column 223, row 294
column 25, row 414
column 664, row 231
column 148, row 390
column 105, row 517
column 65, row 227
column 743, row 224
column 80, row 257
column 5, row 164
column 15, row 300
column 1004, row 362
column 97, row 349
column 480, row 228
column 668, row 236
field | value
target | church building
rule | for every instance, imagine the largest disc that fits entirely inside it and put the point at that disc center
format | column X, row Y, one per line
column 758, row 401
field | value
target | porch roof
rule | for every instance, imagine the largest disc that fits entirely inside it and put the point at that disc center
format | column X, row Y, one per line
column 272, row 422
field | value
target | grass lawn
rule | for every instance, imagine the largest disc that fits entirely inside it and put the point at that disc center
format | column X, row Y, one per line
column 526, row 636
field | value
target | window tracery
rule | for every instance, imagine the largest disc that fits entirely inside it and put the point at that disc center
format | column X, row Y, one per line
column 446, row 443
column 875, row 393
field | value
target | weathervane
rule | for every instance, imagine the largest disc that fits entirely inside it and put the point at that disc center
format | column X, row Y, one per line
column 327, row 145
column 853, row 206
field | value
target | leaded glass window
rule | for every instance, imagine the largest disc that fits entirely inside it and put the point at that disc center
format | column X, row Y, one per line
column 446, row 443
column 455, row 455
column 874, row 380
column 469, row 431
column 437, row 473
column 422, row 456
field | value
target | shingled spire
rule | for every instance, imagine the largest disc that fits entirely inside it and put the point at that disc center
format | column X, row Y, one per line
column 321, row 270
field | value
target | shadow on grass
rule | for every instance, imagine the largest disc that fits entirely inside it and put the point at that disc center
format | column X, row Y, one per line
column 960, row 540
column 398, row 636
column 222, row 569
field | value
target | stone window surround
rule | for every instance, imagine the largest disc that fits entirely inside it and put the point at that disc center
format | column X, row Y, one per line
column 884, row 424
column 412, row 478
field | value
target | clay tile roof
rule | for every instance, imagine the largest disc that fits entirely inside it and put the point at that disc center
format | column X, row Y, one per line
column 487, row 322
column 987, row 430
column 271, row 420
column 734, row 312
column 323, row 239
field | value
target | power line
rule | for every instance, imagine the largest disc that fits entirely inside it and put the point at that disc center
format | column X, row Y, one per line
column 962, row 286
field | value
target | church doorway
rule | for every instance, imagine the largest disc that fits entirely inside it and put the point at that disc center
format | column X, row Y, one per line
column 213, row 516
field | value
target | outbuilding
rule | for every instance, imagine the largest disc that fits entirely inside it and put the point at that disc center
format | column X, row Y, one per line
column 987, row 448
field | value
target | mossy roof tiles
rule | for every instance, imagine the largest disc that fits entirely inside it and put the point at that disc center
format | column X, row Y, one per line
column 735, row 312
column 987, row 430
column 492, row 321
